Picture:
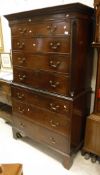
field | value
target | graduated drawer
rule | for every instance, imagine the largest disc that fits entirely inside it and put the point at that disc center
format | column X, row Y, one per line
column 47, row 102
column 51, row 62
column 44, row 80
column 41, row 28
column 42, row 134
column 42, row 44
column 43, row 117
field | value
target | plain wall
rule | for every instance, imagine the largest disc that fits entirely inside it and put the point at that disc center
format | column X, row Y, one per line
column 11, row 6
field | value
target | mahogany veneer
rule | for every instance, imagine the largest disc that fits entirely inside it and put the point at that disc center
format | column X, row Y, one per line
column 52, row 65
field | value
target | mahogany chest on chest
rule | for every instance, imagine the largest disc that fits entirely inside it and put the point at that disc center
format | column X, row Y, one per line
column 52, row 65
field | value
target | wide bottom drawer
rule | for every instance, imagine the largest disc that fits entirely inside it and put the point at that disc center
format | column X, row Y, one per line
column 41, row 134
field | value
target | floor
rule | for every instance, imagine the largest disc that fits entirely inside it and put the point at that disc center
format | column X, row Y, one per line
column 36, row 161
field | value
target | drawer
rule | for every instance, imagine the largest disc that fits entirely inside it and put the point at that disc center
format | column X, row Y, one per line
column 45, row 118
column 50, row 62
column 39, row 29
column 46, row 102
column 35, row 45
column 41, row 134
column 43, row 80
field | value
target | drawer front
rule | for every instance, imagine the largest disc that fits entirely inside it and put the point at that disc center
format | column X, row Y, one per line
column 51, row 62
column 38, row 28
column 42, row 80
column 42, row 134
column 45, row 118
column 34, row 45
column 46, row 102
column 31, row 19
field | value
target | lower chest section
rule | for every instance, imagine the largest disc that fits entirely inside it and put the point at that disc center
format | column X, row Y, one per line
column 42, row 117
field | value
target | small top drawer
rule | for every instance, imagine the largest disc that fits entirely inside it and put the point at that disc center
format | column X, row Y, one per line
column 35, row 45
column 39, row 29
column 51, row 62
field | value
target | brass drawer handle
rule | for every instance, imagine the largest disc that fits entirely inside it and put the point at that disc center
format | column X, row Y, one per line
column 54, row 107
column 54, row 65
column 55, row 45
column 53, row 84
column 66, row 108
column 22, row 31
column 20, row 45
column 21, row 110
column 20, row 96
column 34, row 44
column 72, row 93
column 52, row 140
column 51, row 28
column 21, row 60
column 29, row 20
column 21, row 77
column 54, row 124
